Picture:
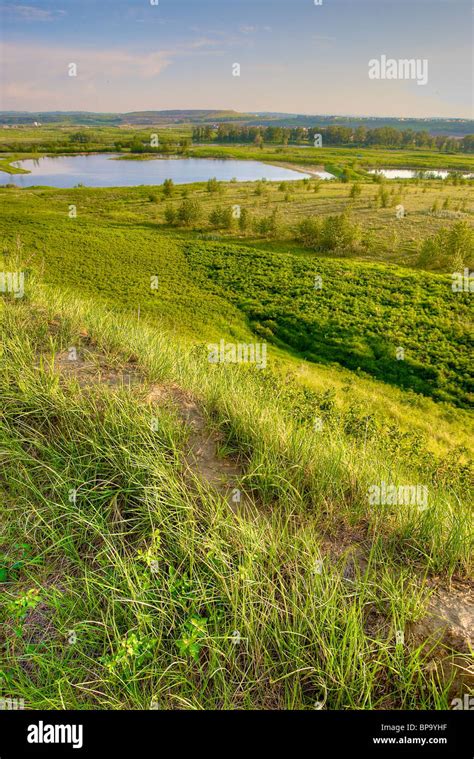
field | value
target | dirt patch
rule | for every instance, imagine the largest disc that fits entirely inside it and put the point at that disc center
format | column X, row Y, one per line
column 91, row 367
column 202, row 457
column 347, row 546
column 448, row 629
column 203, row 453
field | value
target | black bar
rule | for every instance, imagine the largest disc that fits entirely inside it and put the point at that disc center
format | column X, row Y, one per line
column 154, row 733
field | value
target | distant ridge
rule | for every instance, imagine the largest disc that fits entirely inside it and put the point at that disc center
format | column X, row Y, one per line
column 454, row 127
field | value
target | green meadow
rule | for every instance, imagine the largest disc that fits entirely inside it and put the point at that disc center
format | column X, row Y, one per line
column 178, row 534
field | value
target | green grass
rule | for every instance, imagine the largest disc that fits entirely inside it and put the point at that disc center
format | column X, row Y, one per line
column 359, row 318
column 359, row 160
column 127, row 581
column 118, row 241
column 305, row 633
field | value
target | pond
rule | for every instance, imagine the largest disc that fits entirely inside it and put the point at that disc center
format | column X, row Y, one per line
column 102, row 170
column 413, row 173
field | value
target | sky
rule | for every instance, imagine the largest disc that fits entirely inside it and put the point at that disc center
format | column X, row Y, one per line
column 295, row 56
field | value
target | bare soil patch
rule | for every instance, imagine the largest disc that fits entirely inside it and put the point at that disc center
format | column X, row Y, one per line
column 202, row 458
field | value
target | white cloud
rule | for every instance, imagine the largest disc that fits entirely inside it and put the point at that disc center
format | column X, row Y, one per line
column 29, row 12
column 36, row 76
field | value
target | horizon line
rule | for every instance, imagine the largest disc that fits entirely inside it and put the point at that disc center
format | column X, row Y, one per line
column 244, row 113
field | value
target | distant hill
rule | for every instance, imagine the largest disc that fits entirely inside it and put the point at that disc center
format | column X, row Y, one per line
column 134, row 118
column 435, row 126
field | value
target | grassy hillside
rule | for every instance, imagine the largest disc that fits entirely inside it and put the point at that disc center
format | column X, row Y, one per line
column 130, row 583
column 360, row 316
column 184, row 534
column 58, row 118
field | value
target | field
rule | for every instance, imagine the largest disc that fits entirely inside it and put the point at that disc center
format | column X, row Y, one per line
column 29, row 142
column 182, row 534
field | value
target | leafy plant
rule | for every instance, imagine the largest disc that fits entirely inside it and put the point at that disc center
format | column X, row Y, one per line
column 193, row 635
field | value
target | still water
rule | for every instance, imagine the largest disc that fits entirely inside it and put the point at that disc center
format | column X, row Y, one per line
column 103, row 171
column 411, row 173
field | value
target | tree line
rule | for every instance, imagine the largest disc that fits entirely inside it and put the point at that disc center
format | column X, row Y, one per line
column 359, row 136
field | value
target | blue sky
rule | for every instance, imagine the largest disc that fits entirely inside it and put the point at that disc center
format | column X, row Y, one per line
column 294, row 56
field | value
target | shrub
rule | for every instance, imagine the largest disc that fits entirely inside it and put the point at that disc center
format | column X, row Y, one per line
column 355, row 190
column 170, row 215
column 221, row 217
column 244, row 219
column 267, row 225
column 189, row 212
column 213, row 185
column 309, row 232
column 334, row 233
column 339, row 233
column 383, row 197
column 452, row 247
column 168, row 187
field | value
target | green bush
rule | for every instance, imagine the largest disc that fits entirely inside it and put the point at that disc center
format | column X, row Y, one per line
column 189, row 212
column 452, row 247
column 334, row 233
column 267, row 225
column 170, row 215
column 213, row 185
column 221, row 217
column 168, row 187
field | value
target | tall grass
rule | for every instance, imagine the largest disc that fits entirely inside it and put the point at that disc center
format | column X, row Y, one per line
column 129, row 585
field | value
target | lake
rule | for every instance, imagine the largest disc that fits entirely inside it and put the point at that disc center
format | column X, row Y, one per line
column 412, row 173
column 103, row 171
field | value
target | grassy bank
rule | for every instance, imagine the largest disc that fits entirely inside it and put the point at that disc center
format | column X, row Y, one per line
column 129, row 581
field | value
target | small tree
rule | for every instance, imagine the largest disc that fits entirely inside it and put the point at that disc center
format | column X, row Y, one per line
column 213, row 185
column 244, row 219
column 168, row 188
column 267, row 225
column 221, row 217
column 189, row 212
column 308, row 232
column 170, row 215
column 355, row 190
column 383, row 197
column 451, row 247
column 339, row 233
